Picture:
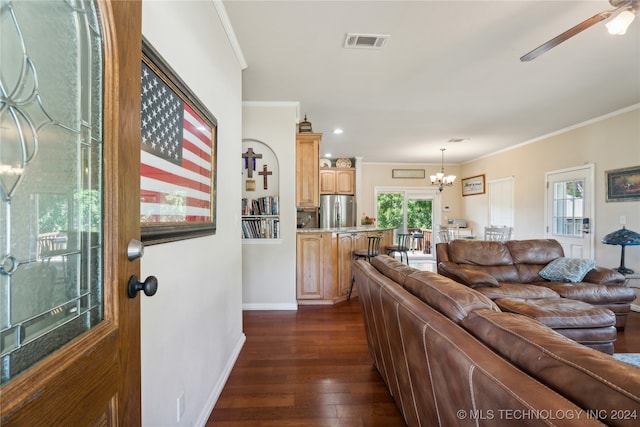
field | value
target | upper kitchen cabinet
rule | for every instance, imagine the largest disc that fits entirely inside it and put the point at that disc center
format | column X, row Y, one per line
column 337, row 181
column 307, row 169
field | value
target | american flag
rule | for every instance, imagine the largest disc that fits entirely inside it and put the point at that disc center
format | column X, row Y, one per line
column 175, row 170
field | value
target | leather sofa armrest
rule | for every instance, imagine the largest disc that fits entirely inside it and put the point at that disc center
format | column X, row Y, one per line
column 467, row 276
column 604, row 276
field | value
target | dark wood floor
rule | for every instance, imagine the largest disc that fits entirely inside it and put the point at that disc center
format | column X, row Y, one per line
column 629, row 340
column 312, row 368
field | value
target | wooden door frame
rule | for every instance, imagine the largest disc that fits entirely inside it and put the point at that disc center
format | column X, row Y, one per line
column 29, row 399
column 123, row 45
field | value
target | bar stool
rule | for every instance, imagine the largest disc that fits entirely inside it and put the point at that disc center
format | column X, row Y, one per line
column 373, row 250
column 402, row 247
column 417, row 241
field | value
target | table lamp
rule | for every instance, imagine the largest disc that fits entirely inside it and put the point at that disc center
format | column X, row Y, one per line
column 622, row 237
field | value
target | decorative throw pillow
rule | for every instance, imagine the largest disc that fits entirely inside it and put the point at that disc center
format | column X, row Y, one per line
column 567, row 269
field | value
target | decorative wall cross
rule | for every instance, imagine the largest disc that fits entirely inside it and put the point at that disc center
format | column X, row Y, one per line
column 264, row 174
column 250, row 156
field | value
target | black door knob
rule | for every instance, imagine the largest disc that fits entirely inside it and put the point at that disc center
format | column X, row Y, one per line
column 149, row 286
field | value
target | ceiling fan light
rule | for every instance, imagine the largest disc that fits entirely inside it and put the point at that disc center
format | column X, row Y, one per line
column 620, row 23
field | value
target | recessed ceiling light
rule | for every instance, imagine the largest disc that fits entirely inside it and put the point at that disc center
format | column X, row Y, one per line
column 337, row 131
column 327, row 155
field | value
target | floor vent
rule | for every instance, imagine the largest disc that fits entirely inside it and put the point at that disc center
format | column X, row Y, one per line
column 365, row 41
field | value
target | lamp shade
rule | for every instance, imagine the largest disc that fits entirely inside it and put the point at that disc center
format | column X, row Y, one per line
column 622, row 237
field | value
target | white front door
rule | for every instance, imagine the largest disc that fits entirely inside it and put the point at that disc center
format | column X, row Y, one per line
column 570, row 210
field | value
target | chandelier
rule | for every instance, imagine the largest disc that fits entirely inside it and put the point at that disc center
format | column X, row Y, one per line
column 439, row 179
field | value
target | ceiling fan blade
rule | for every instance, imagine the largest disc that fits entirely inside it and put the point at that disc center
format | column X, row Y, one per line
column 567, row 35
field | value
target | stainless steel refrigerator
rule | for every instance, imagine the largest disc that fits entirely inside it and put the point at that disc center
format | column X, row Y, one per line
column 337, row 211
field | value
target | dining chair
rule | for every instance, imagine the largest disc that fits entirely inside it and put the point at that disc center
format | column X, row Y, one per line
column 447, row 234
column 499, row 234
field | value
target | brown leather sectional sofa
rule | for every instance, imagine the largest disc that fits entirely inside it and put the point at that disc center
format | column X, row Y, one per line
column 512, row 270
column 449, row 357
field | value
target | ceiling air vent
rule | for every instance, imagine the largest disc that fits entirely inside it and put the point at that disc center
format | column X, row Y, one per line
column 365, row 41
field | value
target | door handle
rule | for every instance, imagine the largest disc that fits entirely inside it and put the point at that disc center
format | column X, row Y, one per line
column 149, row 286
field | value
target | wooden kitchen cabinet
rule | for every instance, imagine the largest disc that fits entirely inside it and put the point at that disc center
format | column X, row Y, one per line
column 337, row 181
column 327, row 181
column 347, row 243
column 307, row 168
column 324, row 263
column 313, row 266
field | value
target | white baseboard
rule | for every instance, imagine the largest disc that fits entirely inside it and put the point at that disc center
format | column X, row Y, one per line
column 217, row 390
column 269, row 306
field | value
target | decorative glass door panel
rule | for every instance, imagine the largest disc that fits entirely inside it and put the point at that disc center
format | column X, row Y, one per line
column 51, row 253
column 568, row 208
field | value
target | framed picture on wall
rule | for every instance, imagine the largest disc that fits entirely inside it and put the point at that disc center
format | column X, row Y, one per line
column 473, row 185
column 177, row 156
column 623, row 185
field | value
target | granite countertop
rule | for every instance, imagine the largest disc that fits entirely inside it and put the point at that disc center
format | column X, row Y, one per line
column 343, row 229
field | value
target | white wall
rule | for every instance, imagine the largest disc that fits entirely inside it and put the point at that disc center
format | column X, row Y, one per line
column 269, row 266
column 192, row 328
column 611, row 142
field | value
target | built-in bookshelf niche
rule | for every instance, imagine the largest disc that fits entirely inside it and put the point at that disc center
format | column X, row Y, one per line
column 260, row 191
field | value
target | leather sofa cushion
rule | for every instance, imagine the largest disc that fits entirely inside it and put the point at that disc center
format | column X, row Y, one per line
column 529, row 273
column 502, row 273
column 604, row 276
column 517, row 290
column 534, row 251
column 468, row 276
column 594, row 380
column 450, row 298
column 392, row 268
column 559, row 312
column 601, row 339
column 479, row 252
column 590, row 292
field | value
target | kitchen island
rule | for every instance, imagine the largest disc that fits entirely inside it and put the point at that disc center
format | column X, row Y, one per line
column 323, row 261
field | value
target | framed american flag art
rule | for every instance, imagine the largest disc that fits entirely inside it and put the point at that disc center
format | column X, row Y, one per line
column 177, row 156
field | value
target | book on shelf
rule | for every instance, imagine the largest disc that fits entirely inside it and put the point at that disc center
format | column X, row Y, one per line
column 260, row 228
column 261, row 206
